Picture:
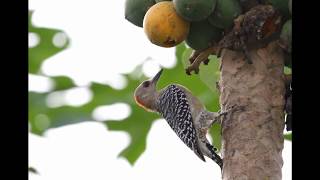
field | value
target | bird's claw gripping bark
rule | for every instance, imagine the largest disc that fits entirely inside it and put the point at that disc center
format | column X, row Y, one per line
column 235, row 107
column 230, row 110
column 200, row 56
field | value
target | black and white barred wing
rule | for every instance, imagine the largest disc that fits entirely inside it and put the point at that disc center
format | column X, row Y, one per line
column 174, row 107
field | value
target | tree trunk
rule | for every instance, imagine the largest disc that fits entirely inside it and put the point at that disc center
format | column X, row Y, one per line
column 252, row 138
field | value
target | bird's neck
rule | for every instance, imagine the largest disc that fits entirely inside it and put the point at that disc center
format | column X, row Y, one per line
column 152, row 103
column 148, row 104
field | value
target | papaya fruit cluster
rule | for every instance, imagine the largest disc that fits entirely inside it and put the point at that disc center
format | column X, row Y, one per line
column 286, row 37
column 199, row 23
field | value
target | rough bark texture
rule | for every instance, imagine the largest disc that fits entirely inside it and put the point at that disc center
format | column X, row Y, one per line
column 252, row 139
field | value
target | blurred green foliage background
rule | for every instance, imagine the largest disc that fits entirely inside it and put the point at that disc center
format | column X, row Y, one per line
column 138, row 124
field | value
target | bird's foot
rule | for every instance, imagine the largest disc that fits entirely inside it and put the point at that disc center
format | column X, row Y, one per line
column 230, row 110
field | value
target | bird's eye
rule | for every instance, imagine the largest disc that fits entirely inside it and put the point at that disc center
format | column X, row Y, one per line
column 146, row 84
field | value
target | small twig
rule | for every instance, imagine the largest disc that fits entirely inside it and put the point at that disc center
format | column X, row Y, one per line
column 237, row 23
column 200, row 56
column 193, row 56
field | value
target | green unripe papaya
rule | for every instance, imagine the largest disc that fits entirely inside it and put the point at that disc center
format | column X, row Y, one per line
column 162, row 0
column 202, row 34
column 290, row 6
column 286, row 35
column 194, row 10
column 224, row 14
column 281, row 5
column 136, row 9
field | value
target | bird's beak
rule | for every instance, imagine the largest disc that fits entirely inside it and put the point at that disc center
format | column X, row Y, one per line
column 155, row 79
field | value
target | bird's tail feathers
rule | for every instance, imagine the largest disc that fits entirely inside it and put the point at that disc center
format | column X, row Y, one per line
column 214, row 156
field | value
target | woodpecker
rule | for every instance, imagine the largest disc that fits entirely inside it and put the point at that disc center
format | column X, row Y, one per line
column 185, row 114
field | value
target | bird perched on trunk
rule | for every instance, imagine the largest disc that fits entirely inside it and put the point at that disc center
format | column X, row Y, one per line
column 185, row 114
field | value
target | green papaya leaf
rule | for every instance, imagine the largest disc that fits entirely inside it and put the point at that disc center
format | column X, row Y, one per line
column 139, row 122
column 45, row 48
column 63, row 83
column 41, row 117
column 287, row 70
column 138, row 126
column 185, row 57
column 288, row 136
column 209, row 74
column 215, row 133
